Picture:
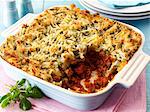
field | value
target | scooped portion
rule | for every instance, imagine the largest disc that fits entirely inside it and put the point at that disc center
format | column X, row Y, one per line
column 72, row 48
column 92, row 74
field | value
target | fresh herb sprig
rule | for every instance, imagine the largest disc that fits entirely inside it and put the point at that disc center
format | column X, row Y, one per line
column 20, row 92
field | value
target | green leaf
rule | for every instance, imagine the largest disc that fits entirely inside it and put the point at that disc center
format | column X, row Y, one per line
column 29, row 87
column 22, row 82
column 25, row 104
column 13, row 88
column 5, row 102
column 28, row 90
column 3, row 97
column 15, row 95
column 36, row 92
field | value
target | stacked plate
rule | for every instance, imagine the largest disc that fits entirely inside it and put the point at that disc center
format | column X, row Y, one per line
column 130, row 13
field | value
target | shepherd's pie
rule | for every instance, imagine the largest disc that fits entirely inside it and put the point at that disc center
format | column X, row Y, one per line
column 72, row 48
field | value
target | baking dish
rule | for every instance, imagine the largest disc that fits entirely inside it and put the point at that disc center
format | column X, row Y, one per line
column 126, row 77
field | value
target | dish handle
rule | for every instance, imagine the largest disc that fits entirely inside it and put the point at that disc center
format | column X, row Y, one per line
column 128, row 79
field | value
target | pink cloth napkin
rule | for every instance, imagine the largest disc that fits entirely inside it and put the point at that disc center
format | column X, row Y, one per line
column 121, row 100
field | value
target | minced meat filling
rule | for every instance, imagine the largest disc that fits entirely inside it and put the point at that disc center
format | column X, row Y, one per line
column 94, row 61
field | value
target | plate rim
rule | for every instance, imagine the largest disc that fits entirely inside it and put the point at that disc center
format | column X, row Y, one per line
column 117, row 11
column 115, row 16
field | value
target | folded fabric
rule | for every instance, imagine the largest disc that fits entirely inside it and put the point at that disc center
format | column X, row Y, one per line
column 124, row 3
column 121, row 100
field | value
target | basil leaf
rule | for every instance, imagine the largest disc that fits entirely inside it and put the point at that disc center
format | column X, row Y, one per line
column 25, row 104
column 5, row 102
column 29, row 88
column 22, row 82
column 36, row 92
column 13, row 88
column 3, row 97
column 15, row 95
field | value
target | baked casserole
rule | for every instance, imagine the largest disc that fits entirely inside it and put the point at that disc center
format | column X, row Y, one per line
column 72, row 48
